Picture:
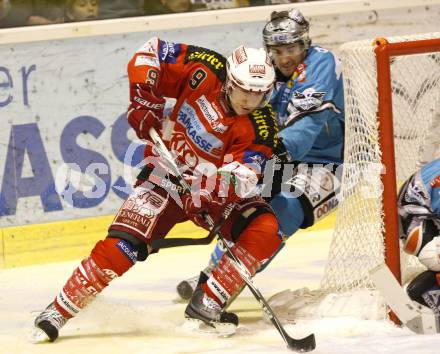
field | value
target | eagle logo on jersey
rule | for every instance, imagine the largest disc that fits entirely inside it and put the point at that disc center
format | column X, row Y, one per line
column 308, row 100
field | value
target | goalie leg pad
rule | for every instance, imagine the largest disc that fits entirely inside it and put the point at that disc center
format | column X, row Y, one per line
column 108, row 260
column 425, row 290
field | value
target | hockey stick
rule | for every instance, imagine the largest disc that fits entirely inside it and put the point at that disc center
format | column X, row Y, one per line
column 305, row 344
column 416, row 317
column 186, row 241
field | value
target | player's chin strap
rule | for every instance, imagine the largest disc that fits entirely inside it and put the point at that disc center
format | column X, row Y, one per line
column 305, row 344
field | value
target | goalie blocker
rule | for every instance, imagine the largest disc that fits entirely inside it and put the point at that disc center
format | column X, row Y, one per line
column 414, row 315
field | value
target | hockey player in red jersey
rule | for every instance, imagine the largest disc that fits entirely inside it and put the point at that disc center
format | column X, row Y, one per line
column 221, row 124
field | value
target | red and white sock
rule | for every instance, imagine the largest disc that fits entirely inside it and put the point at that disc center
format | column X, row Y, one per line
column 225, row 281
column 94, row 273
column 257, row 243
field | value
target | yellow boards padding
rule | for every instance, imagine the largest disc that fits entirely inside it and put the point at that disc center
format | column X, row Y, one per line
column 74, row 239
column 63, row 240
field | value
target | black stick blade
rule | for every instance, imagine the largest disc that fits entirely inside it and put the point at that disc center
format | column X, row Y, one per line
column 306, row 344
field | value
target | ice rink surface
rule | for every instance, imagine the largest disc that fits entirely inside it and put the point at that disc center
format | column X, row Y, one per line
column 138, row 313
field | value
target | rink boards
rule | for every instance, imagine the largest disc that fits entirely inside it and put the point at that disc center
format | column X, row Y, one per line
column 73, row 239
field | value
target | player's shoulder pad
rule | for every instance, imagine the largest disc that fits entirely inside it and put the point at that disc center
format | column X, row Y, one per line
column 322, row 53
column 213, row 60
column 323, row 62
column 265, row 126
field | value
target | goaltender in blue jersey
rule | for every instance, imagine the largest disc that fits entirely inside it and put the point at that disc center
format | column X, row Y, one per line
column 419, row 215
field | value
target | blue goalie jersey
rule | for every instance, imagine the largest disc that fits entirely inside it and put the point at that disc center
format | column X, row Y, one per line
column 430, row 175
column 310, row 109
column 419, row 199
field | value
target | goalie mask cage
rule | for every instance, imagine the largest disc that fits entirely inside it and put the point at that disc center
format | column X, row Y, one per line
column 392, row 127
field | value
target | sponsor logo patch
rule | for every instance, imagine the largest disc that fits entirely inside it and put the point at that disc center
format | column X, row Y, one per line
column 240, row 55
column 325, row 208
column 302, row 72
column 62, row 300
column 435, row 182
column 207, row 142
column 149, row 47
column 127, row 249
column 146, row 60
column 213, row 60
column 139, row 211
column 257, row 69
column 432, row 298
column 210, row 115
column 168, row 52
column 265, row 126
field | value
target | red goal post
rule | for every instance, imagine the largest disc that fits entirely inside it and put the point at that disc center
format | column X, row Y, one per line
column 392, row 125
column 385, row 51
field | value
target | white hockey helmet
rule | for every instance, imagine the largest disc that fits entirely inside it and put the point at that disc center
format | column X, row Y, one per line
column 251, row 70
column 286, row 27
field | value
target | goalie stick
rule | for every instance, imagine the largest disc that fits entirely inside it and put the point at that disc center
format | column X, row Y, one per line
column 305, row 344
column 419, row 319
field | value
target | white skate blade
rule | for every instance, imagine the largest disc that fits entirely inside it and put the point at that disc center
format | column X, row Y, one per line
column 220, row 329
column 37, row 335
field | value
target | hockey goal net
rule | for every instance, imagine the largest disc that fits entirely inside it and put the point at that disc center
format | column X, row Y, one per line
column 392, row 107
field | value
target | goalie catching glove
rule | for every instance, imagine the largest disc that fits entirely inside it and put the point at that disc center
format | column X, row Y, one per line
column 145, row 111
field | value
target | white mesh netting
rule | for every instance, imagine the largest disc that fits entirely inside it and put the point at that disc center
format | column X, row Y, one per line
column 357, row 243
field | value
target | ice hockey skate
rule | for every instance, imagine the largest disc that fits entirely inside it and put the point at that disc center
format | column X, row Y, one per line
column 47, row 325
column 205, row 314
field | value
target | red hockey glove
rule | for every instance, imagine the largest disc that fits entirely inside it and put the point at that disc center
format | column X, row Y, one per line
column 202, row 202
column 145, row 111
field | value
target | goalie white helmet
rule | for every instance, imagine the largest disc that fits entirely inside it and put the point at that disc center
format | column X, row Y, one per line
column 286, row 27
column 250, row 79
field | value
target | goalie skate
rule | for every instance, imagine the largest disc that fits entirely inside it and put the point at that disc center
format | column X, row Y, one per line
column 206, row 315
column 47, row 325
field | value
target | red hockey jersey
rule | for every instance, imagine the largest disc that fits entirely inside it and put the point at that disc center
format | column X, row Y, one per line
column 202, row 128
